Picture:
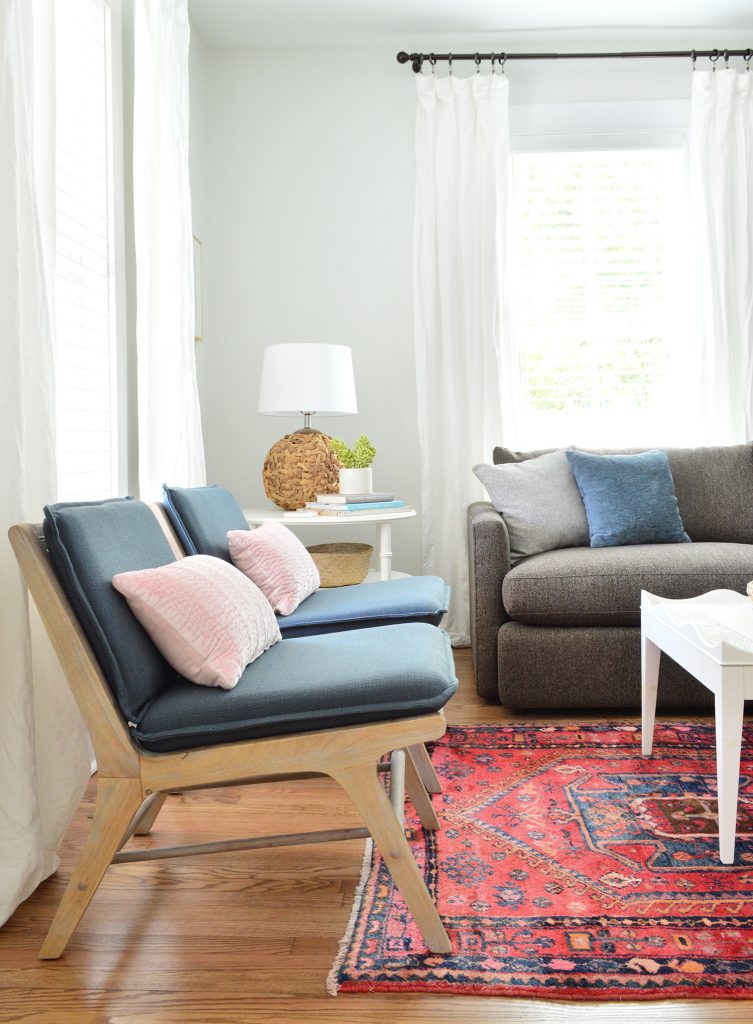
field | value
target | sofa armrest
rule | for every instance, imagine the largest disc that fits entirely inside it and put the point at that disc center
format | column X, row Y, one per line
column 488, row 562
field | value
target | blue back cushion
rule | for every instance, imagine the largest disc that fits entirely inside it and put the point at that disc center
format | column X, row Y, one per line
column 202, row 517
column 89, row 543
column 629, row 499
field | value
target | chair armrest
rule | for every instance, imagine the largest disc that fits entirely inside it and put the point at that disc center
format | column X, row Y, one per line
column 488, row 562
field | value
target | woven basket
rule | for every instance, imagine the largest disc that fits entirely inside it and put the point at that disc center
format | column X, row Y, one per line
column 341, row 565
column 298, row 467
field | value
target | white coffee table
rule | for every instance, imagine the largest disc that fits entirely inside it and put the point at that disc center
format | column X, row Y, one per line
column 712, row 637
column 383, row 519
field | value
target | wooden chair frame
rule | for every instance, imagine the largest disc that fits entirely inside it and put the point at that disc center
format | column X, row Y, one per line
column 132, row 784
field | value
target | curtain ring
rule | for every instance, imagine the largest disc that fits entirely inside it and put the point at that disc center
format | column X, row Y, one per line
column 477, row 59
column 502, row 61
column 693, row 57
column 746, row 57
column 433, row 62
column 714, row 57
column 726, row 60
column 449, row 59
column 494, row 70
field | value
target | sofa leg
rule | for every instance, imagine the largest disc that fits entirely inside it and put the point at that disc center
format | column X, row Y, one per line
column 362, row 785
column 117, row 802
column 422, row 762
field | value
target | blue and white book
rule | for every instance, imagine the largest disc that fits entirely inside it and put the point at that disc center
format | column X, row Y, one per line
column 357, row 506
column 347, row 499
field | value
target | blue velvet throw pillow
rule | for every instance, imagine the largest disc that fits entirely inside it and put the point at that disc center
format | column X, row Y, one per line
column 629, row 499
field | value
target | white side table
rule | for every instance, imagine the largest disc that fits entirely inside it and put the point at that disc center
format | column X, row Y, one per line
column 383, row 518
column 712, row 637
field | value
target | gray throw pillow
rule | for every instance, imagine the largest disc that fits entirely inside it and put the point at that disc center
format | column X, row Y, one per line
column 540, row 502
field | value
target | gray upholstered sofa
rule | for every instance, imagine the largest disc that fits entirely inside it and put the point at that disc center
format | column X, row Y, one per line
column 562, row 628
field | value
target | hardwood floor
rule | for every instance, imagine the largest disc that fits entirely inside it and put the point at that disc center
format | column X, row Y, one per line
column 248, row 938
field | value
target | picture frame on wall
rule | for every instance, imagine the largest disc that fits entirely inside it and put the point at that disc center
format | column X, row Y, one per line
column 198, row 289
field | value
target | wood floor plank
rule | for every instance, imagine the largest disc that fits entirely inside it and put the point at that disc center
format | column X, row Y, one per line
column 248, row 938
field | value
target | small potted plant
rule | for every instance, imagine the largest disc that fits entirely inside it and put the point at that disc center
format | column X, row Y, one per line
column 355, row 474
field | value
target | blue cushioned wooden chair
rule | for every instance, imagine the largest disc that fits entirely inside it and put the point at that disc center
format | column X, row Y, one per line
column 197, row 520
column 294, row 714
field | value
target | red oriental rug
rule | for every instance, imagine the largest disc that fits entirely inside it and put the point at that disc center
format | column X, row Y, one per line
column 569, row 867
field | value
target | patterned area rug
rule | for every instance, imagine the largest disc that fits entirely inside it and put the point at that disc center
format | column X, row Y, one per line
column 569, row 867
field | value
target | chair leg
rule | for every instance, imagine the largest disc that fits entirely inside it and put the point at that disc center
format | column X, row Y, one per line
column 117, row 802
column 419, row 797
column 149, row 815
column 362, row 785
column 420, row 757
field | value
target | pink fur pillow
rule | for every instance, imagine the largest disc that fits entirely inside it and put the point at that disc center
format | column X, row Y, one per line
column 277, row 562
column 205, row 617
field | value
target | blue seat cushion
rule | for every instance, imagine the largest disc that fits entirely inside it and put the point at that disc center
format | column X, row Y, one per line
column 202, row 516
column 410, row 599
column 88, row 543
column 310, row 683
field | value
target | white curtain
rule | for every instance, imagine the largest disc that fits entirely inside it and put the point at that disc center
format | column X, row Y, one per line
column 44, row 759
column 721, row 221
column 464, row 352
column 170, row 441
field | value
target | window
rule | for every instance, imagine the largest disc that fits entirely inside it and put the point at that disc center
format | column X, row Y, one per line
column 599, row 310
column 84, row 280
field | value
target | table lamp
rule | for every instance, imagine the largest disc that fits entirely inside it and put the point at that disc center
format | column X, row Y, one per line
column 307, row 380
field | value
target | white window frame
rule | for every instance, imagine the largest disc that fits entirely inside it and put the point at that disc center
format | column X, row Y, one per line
column 569, row 127
column 118, row 271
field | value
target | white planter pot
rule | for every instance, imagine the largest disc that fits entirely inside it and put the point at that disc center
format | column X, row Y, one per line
column 355, row 481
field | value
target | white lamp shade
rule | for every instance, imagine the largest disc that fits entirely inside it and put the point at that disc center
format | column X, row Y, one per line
column 298, row 378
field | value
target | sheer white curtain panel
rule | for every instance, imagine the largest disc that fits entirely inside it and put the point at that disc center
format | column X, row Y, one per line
column 170, row 439
column 721, row 221
column 44, row 752
column 466, row 367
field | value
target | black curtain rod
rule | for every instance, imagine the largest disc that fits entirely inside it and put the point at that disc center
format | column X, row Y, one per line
column 417, row 59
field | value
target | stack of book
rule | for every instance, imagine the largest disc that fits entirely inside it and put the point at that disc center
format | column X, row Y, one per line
column 348, row 505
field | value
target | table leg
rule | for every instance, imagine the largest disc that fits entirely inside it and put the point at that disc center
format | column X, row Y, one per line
column 729, row 706
column 385, row 551
column 650, row 656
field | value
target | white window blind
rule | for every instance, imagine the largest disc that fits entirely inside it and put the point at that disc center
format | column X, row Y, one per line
column 600, row 305
column 84, row 291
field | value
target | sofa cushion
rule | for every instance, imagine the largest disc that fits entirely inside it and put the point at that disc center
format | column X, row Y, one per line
column 307, row 684
column 411, row 599
column 540, row 502
column 202, row 516
column 602, row 586
column 713, row 486
column 89, row 543
column 629, row 499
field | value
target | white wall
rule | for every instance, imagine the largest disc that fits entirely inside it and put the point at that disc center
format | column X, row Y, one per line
column 305, row 189
column 311, row 198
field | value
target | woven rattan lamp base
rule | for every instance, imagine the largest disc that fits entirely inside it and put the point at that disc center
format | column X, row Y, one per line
column 298, row 467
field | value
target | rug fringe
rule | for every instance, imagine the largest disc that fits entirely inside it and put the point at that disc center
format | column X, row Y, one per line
column 333, row 985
